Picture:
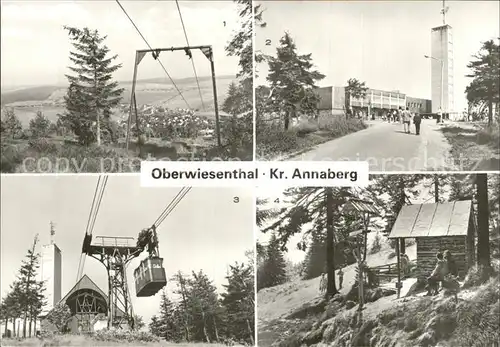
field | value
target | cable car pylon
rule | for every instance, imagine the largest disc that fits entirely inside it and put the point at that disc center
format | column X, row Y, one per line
column 115, row 253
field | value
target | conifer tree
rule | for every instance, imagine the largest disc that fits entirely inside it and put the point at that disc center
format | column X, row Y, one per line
column 30, row 290
column 91, row 94
column 293, row 80
column 11, row 125
column 316, row 256
column 485, row 72
column 40, row 125
column 274, row 268
column 167, row 327
column 239, row 303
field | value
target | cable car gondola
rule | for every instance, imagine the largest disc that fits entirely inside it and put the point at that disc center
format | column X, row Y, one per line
column 150, row 277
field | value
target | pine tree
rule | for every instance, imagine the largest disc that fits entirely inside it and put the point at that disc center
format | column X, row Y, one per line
column 400, row 189
column 30, row 290
column 204, row 307
column 293, row 79
column 239, row 303
column 274, row 268
column 485, row 71
column 315, row 261
column 314, row 204
column 11, row 125
column 483, row 234
column 91, row 93
column 166, row 325
column 40, row 125
column 183, row 307
column 239, row 103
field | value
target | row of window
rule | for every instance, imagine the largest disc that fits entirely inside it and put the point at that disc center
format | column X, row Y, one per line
column 414, row 104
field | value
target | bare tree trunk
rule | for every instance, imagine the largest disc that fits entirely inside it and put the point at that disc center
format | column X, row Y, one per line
column 483, row 214
column 436, row 189
column 205, row 332
column 13, row 327
column 250, row 332
column 331, row 289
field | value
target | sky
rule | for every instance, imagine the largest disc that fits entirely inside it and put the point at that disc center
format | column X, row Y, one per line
column 35, row 47
column 206, row 231
column 380, row 42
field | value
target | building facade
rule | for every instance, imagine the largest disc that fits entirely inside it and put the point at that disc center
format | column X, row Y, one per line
column 51, row 273
column 442, row 69
column 334, row 99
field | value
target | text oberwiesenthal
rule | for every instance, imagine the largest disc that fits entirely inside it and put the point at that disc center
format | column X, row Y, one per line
column 255, row 174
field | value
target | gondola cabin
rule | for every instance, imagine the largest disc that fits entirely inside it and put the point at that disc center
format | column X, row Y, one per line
column 149, row 277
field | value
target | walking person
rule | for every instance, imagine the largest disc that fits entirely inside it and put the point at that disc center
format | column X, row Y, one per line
column 417, row 120
column 406, row 120
column 323, row 283
column 341, row 277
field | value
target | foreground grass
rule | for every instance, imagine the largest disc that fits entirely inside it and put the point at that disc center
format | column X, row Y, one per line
column 474, row 148
column 51, row 155
column 275, row 143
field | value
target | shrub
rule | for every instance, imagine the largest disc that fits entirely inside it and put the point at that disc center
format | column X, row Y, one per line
column 272, row 139
column 11, row 158
column 125, row 336
column 338, row 126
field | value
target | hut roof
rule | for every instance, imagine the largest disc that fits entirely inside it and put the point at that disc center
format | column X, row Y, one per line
column 433, row 220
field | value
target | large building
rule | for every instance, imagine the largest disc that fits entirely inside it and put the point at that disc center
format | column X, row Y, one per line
column 51, row 273
column 333, row 99
column 442, row 83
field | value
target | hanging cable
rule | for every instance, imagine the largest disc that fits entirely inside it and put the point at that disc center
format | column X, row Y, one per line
column 157, row 58
column 170, row 207
column 173, row 206
column 94, row 211
column 190, row 54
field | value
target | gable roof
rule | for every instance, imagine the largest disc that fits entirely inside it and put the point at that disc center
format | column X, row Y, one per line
column 433, row 220
column 86, row 283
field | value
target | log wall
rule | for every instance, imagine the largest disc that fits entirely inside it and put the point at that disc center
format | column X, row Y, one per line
column 428, row 247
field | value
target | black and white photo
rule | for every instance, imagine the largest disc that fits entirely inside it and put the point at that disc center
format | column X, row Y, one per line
column 405, row 85
column 91, row 260
column 97, row 86
column 409, row 260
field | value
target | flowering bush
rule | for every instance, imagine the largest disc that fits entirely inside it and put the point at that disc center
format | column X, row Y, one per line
column 179, row 123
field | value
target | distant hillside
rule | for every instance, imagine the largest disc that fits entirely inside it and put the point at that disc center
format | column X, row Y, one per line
column 28, row 94
column 146, row 90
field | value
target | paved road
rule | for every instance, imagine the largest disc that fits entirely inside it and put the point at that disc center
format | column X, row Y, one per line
column 387, row 148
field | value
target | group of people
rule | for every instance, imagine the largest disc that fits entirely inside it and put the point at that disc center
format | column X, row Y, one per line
column 405, row 117
column 323, row 281
column 445, row 266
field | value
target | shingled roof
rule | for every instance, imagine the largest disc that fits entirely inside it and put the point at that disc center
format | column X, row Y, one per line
column 433, row 220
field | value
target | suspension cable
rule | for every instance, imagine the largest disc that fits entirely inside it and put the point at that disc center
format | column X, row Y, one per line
column 157, row 58
column 191, row 56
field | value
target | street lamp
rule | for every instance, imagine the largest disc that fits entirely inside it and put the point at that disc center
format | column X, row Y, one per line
column 442, row 79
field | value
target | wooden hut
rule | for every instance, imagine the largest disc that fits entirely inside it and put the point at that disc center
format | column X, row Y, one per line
column 438, row 227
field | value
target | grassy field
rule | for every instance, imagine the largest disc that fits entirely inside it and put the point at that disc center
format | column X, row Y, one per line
column 474, row 146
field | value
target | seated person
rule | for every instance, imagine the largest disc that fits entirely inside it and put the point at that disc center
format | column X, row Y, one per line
column 440, row 271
